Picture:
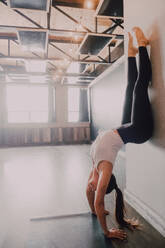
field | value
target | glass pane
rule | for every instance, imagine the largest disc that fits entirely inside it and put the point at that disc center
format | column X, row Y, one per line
column 73, row 116
column 73, row 68
column 18, row 117
column 39, row 116
column 73, row 99
column 38, row 98
column 17, row 98
column 35, row 66
column 22, row 100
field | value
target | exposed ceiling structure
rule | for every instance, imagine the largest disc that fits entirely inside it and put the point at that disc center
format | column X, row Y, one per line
column 62, row 41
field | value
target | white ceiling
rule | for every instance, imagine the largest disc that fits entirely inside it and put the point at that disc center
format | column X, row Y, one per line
column 59, row 54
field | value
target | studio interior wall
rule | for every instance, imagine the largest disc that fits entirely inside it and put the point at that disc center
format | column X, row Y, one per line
column 106, row 101
column 145, row 167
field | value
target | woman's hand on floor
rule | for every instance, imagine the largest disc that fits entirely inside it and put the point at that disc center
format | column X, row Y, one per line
column 116, row 233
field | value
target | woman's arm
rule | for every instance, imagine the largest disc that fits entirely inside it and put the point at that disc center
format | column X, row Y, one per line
column 105, row 172
column 90, row 193
column 91, row 197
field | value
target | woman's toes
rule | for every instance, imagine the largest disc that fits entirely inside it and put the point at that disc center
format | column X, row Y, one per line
column 141, row 39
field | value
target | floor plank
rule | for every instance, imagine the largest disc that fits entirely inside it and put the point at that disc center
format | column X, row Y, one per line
column 50, row 181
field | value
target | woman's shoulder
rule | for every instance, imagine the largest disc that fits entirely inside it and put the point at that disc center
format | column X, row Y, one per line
column 101, row 132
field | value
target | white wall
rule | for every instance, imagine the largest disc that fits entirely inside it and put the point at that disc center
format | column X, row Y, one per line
column 145, row 171
column 106, row 99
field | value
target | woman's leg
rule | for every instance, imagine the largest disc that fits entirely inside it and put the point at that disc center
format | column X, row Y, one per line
column 141, row 108
column 132, row 77
column 141, row 127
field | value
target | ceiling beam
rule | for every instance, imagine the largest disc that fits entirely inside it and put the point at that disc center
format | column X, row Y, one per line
column 23, row 15
column 62, row 51
column 76, row 4
column 62, row 39
column 52, row 38
column 58, row 32
column 118, row 22
column 53, row 59
column 15, row 73
column 35, row 54
column 70, row 17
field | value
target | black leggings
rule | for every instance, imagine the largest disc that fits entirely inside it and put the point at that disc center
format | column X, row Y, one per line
column 137, row 121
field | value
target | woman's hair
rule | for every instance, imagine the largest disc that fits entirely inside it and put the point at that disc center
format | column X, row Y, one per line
column 120, row 208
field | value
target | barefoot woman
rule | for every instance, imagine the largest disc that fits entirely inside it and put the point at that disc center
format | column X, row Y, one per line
column 137, row 127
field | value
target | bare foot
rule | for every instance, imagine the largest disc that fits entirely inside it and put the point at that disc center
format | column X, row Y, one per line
column 141, row 39
column 132, row 50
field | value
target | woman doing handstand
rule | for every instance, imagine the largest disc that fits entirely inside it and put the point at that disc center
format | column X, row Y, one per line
column 137, row 127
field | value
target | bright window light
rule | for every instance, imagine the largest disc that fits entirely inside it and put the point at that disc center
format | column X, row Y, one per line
column 27, row 104
column 73, row 68
column 37, row 79
column 89, row 4
column 35, row 66
column 73, row 104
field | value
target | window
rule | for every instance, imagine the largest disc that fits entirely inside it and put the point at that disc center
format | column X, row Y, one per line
column 74, row 67
column 73, row 104
column 27, row 104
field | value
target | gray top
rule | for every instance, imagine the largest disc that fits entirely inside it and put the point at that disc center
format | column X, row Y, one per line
column 106, row 147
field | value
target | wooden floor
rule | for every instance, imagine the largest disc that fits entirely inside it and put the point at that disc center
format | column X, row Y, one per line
column 51, row 181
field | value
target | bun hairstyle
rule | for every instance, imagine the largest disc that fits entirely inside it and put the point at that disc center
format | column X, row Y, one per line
column 120, row 208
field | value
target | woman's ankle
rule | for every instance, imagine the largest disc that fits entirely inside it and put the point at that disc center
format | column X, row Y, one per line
column 143, row 43
column 141, row 38
column 132, row 54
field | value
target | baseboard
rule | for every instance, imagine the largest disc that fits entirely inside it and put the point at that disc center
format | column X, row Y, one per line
column 151, row 216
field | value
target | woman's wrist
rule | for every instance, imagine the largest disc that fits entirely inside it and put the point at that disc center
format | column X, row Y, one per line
column 94, row 212
column 106, row 232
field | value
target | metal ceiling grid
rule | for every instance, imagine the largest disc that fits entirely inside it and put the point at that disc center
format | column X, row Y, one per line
column 89, row 44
